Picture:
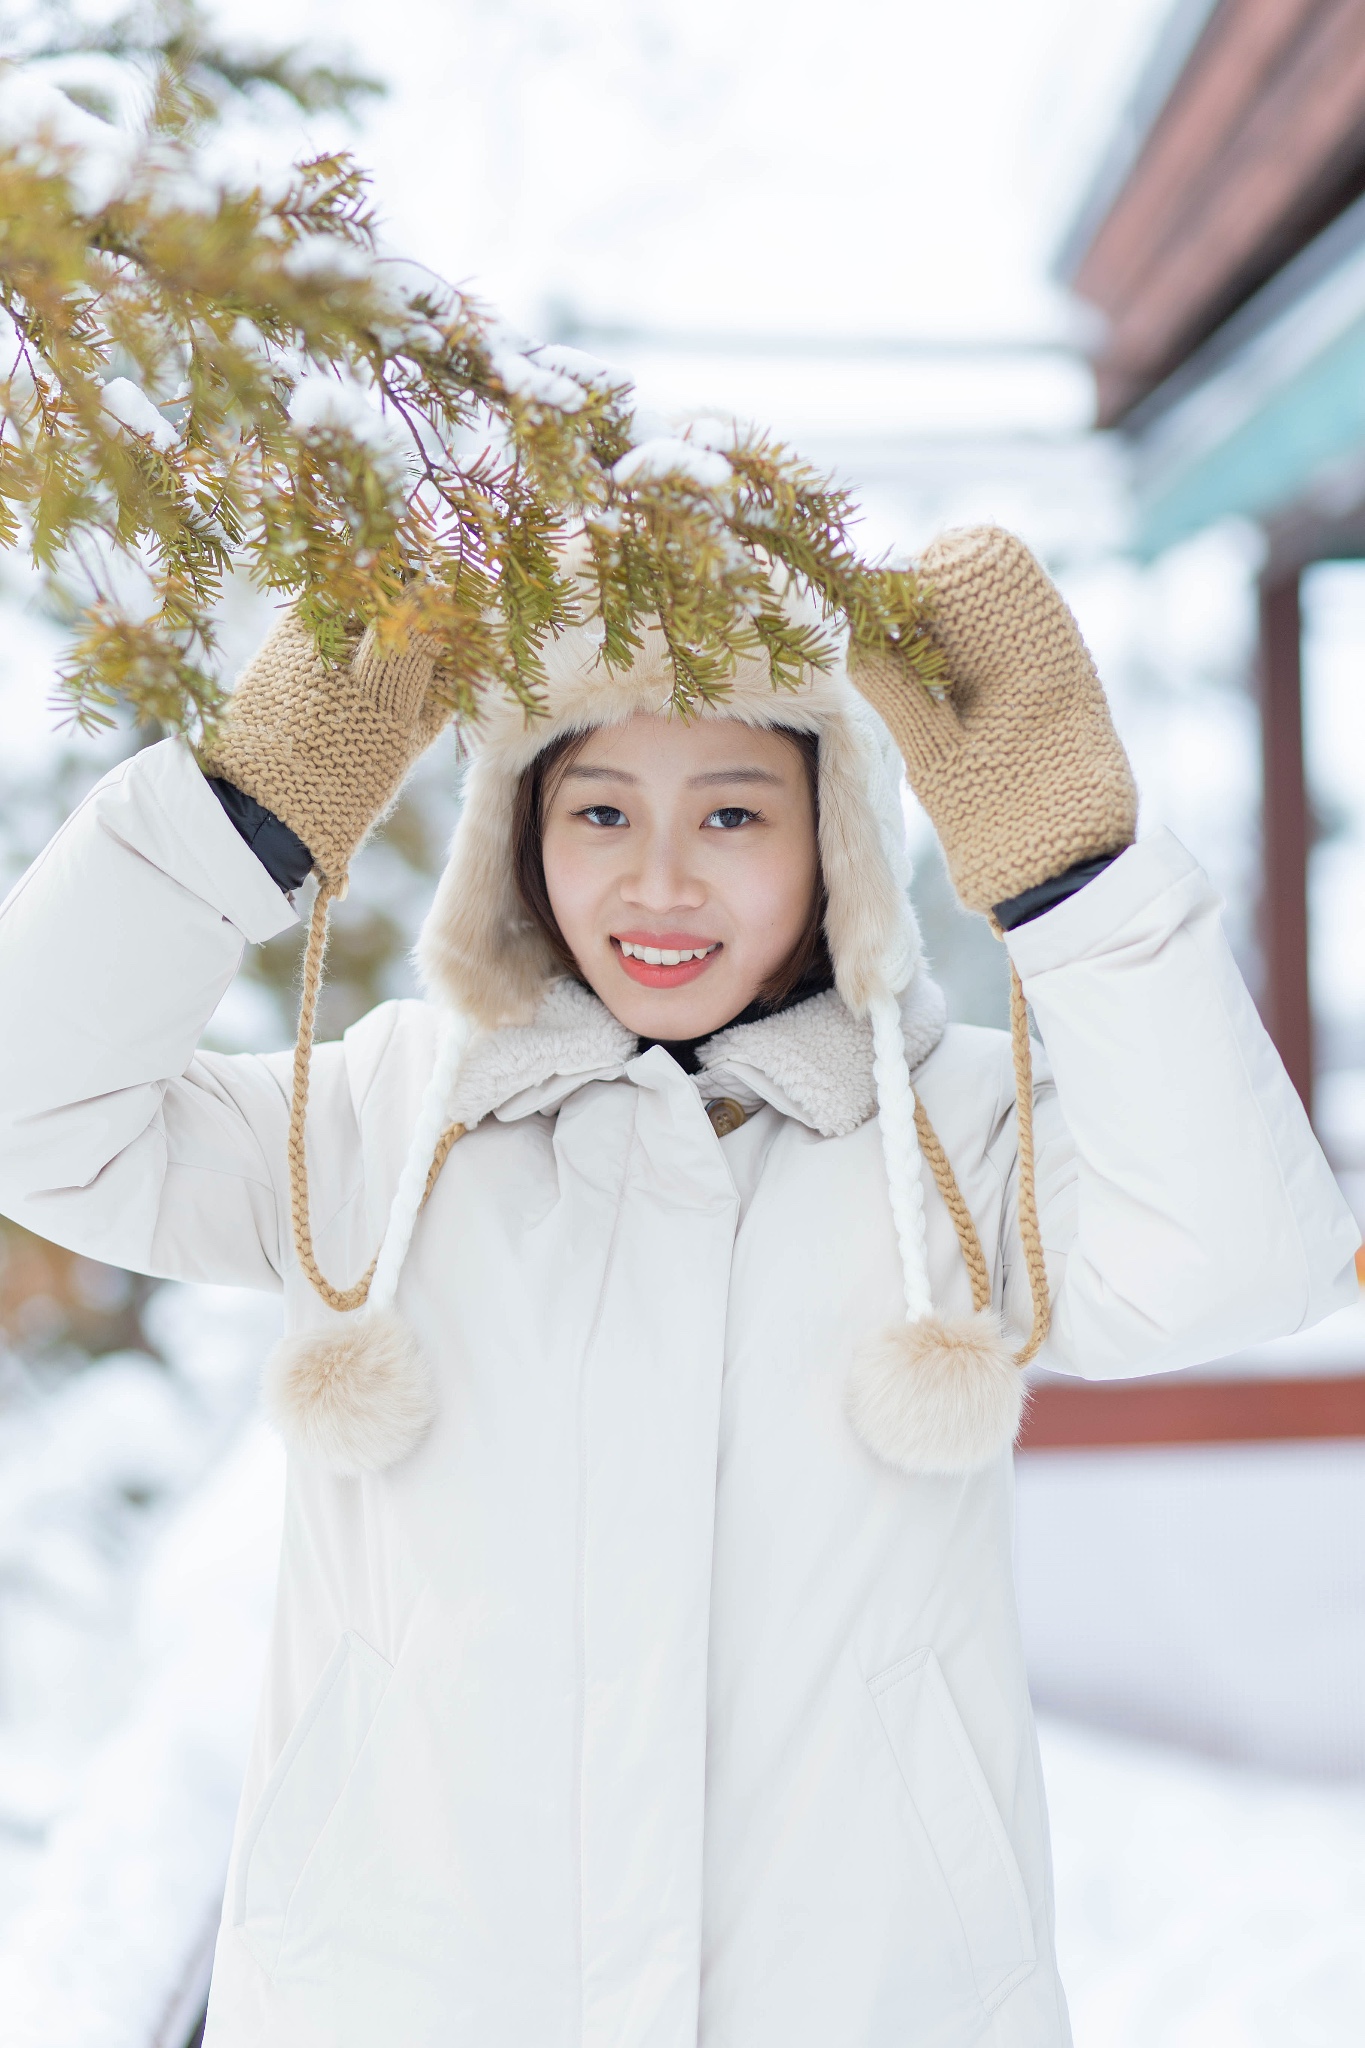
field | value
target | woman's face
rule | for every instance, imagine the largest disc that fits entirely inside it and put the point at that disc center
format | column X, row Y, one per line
column 674, row 839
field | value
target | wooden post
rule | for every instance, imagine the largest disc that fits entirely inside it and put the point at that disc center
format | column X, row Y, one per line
column 1285, row 1003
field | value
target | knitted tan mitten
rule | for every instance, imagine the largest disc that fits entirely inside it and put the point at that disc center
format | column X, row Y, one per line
column 1020, row 768
column 326, row 748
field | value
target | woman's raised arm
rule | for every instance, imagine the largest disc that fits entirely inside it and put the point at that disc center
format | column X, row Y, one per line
column 117, row 1138
column 1185, row 1205
column 1182, row 1203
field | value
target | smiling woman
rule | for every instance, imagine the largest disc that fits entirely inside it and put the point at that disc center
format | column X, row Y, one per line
column 674, row 867
column 646, row 1641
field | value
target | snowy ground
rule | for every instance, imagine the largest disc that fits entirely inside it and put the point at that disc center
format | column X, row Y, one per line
column 139, row 1525
column 1204, row 1905
column 1200, row 1904
column 1208, row 1596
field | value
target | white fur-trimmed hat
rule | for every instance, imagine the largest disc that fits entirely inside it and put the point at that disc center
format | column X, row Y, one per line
column 481, row 951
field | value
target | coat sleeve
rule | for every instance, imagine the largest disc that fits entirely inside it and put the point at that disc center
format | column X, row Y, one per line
column 1186, row 1207
column 117, row 1138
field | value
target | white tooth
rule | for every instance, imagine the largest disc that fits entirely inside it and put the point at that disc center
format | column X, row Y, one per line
column 684, row 958
column 651, row 955
column 670, row 957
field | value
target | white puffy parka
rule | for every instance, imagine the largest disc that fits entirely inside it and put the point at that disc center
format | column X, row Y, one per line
column 644, row 1705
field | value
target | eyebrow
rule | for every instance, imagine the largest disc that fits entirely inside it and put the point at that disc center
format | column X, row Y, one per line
column 583, row 772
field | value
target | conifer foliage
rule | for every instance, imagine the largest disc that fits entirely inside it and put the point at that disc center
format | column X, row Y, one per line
column 200, row 377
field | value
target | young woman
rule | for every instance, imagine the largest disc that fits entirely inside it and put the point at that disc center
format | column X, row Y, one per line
column 646, row 1671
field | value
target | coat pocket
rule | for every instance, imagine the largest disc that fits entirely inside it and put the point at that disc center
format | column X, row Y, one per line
column 964, row 1831
column 301, row 1791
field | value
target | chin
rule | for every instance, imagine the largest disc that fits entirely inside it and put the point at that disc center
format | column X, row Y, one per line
column 672, row 1015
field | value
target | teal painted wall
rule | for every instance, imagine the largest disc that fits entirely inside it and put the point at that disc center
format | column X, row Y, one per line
column 1313, row 422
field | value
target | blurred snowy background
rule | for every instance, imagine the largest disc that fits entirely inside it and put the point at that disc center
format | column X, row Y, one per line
column 839, row 222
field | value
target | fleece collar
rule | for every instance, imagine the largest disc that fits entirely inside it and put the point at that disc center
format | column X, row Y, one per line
column 812, row 1062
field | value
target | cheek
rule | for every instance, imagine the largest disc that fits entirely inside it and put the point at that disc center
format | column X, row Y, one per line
column 769, row 894
column 574, row 881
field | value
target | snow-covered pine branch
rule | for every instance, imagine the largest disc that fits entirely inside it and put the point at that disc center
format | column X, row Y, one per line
column 197, row 377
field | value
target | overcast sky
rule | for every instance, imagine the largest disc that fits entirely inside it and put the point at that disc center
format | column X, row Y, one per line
column 880, row 166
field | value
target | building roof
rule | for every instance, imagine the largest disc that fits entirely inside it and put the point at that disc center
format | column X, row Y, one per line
column 1246, row 139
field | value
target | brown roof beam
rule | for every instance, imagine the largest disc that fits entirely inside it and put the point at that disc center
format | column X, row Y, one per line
column 1260, row 142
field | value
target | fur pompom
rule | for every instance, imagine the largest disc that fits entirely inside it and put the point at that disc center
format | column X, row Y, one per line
column 354, row 1397
column 937, row 1396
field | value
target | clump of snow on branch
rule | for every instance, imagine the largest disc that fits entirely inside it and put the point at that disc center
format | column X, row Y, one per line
column 710, row 431
column 327, row 258
column 526, row 377
column 667, row 456
column 321, row 405
column 50, row 134
column 132, row 408
column 576, row 362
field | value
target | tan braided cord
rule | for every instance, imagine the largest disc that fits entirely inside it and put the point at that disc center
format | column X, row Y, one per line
column 1030, row 1236
column 340, row 1298
column 973, row 1258
column 449, row 1137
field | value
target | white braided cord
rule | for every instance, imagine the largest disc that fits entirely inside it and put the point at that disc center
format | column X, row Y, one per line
column 900, row 1150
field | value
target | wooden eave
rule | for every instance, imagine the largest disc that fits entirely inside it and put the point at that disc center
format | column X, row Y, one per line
column 1258, row 145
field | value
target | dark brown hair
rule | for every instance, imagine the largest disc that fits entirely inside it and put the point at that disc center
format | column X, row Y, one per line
column 809, row 959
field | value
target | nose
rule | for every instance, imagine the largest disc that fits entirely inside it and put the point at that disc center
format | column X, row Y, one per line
column 662, row 878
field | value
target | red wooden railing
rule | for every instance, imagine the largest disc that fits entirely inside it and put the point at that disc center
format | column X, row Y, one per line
column 1080, row 1415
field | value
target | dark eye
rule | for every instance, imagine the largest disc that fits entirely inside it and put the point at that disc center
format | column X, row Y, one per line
column 604, row 814
column 729, row 816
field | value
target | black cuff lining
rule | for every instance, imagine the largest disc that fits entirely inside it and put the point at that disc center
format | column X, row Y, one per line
column 1031, row 903
column 281, row 852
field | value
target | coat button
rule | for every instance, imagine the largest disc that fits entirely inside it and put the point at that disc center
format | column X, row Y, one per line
column 726, row 1115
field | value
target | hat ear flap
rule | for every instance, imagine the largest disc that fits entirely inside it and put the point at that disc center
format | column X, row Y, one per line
column 479, row 950
column 870, row 926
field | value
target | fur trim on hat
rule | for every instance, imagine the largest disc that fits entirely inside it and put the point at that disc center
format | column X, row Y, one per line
column 353, row 1397
column 481, row 952
column 938, row 1396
